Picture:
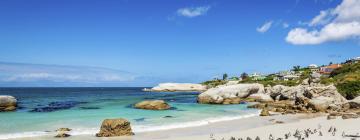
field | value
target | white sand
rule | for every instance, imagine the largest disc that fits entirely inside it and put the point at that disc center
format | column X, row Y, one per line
column 242, row 128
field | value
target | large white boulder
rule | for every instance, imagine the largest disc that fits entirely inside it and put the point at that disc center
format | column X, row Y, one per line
column 219, row 94
column 166, row 87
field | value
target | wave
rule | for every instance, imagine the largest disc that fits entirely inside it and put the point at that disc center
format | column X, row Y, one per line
column 136, row 128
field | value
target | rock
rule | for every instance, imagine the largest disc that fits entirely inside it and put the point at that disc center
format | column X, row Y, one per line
column 261, row 97
column 55, row 106
column 168, row 117
column 349, row 116
column 62, row 135
column 218, row 95
column 355, row 103
column 264, row 112
column 7, row 103
column 315, row 77
column 171, row 87
column 63, row 129
column 115, row 127
column 153, row 105
column 305, row 81
column 320, row 104
column 330, row 117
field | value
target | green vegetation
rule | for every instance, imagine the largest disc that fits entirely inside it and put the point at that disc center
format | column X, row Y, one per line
column 346, row 80
column 225, row 76
column 214, row 83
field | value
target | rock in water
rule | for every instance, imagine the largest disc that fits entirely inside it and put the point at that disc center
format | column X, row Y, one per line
column 153, row 105
column 7, row 103
column 264, row 112
column 222, row 94
column 63, row 129
column 171, row 87
column 115, row 127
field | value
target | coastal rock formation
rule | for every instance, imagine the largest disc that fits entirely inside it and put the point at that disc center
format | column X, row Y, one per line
column 264, row 112
column 7, row 103
column 261, row 97
column 355, row 103
column 115, row 127
column 172, row 87
column 153, row 105
column 229, row 94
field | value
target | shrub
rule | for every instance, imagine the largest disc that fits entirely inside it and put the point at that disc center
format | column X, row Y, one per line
column 349, row 89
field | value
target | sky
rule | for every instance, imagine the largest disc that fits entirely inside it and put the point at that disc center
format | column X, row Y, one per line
column 145, row 42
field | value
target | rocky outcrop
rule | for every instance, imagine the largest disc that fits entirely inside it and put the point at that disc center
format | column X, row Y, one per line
column 7, row 103
column 153, row 105
column 115, row 127
column 355, row 103
column 172, row 87
column 63, row 133
column 261, row 97
column 264, row 112
column 227, row 94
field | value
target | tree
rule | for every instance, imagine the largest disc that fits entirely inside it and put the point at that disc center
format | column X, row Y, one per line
column 296, row 68
column 330, row 63
column 244, row 76
column 225, row 76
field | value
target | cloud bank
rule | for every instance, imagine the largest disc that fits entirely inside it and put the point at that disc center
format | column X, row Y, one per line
column 55, row 75
column 340, row 23
column 193, row 11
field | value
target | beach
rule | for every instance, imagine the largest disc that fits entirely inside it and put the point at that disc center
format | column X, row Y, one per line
column 247, row 127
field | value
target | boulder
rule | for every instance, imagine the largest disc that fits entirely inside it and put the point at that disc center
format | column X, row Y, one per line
column 315, row 77
column 265, row 112
column 218, row 95
column 261, row 97
column 172, row 87
column 63, row 129
column 331, row 117
column 281, row 92
column 153, row 105
column 115, row 127
column 320, row 104
column 7, row 103
column 62, row 135
column 349, row 116
column 355, row 103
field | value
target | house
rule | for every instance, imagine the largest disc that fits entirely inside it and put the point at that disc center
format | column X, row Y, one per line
column 328, row 69
column 257, row 76
column 356, row 60
column 287, row 75
column 313, row 68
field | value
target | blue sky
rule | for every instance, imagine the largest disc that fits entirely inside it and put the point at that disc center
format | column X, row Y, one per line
column 173, row 41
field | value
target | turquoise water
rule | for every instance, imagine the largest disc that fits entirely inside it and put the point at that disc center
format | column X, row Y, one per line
column 83, row 109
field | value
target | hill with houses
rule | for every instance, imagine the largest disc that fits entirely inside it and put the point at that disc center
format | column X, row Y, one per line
column 345, row 76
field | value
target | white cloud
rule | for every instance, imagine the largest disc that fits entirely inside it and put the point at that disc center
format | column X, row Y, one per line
column 265, row 27
column 193, row 11
column 323, row 18
column 337, row 24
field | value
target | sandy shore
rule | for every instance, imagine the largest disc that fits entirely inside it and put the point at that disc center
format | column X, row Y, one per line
column 248, row 127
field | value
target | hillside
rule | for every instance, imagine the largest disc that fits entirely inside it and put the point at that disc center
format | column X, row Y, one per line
column 346, row 79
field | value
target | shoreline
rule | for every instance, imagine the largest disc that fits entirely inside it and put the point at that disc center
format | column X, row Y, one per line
column 221, row 128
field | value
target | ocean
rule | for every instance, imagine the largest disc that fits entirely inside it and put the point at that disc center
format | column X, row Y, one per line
column 43, row 110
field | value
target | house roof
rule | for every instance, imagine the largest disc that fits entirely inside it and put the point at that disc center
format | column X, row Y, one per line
column 333, row 66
